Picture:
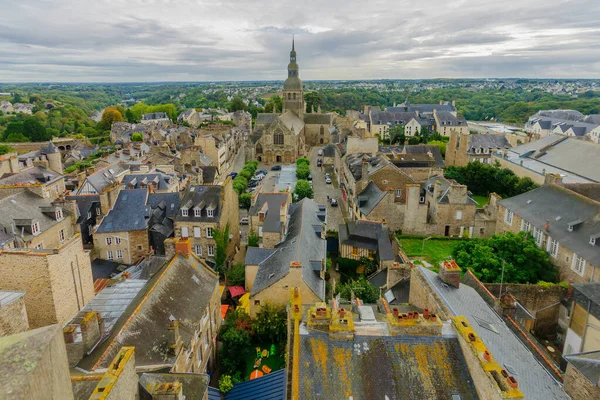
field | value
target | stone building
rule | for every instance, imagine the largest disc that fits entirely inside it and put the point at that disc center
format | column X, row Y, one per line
column 89, row 214
column 447, row 122
column 581, row 335
column 38, row 179
column 57, row 282
column 582, row 378
column 13, row 314
column 465, row 148
column 282, row 138
column 369, row 239
column 268, row 217
column 98, row 181
column 205, row 209
column 563, row 219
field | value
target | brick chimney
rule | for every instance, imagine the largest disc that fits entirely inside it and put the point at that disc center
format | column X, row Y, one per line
column 183, row 246
column 166, row 391
column 91, row 330
column 450, row 273
column 365, row 171
column 69, row 333
column 550, row 179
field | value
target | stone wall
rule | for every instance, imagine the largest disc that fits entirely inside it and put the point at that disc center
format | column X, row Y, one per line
column 270, row 239
column 13, row 318
column 532, row 297
column 120, row 382
column 357, row 145
column 578, row 386
column 423, row 296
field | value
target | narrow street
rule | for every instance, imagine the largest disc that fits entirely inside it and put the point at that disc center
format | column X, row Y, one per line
column 322, row 190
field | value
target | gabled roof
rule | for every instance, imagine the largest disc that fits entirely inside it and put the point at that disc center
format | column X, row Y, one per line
column 272, row 221
column 367, row 235
column 106, row 176
column 291, row 121
column 209, row 173
column 587, row 295
column 588, row 364
column 369, row 198
column 202, row 198
column 446, row 118
column 163, row 181
column 85, row 203
column 508, row 350
column 34, row 175
column 265, row 118
column 489, row 141
column 129, row 213
column 301, row 244
column 558, row 206
column 321, row 119
column 169, row 202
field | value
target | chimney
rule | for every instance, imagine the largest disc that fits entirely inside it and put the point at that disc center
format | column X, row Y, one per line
column 174, row 337
column 166, row 391
column 365, row 171
column 553, row 179
column 183, row 246
column 69, row 333
column 90, row 330
column 450, row 273
column 453, row 103
column 547, row 225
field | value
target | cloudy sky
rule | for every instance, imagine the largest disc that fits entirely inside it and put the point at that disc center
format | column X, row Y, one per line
column 199, row 40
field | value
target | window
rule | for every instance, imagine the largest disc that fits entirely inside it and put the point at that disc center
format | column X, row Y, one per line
column 98, row 211
column 209, row 233
column 278, row 138
column 40, row 245
column 459, row 214
column 578, row 264
column 184, row 231
column 508, row 216
column 538, row 236
column 398, row 193
column 89, row 215
column 552, row 247
column 90, row 230
column 257, row 302
column 61, row 235
column 354, row 250
column 117, row 240
column 260, row 233
column 197, row 231
column 119, row 254
column 59, row 214
column 525, row 226
column 593, row 241
column 197, row 212
column 211, row 250
column 140, row 248
column 198, row 250
column 184, row 212
column 108, row 241
column 35, row 228
column 209, row 212
column 109, row 255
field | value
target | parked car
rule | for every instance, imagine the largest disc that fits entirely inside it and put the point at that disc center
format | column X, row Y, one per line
column 328, row 180
column 260, row 177
column 262, row 171
column 233, row 175
column 327, row 175
column 276, row 168
column 309, row 177
column 333, row 202
column 244, row 221
column 319, row 162
column 320, row 153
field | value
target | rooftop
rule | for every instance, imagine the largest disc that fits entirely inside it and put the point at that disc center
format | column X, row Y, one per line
column 201, row 198
column 129, row 213
column 272, row 209
column 367, row 235
column 36, row 175
column 7, row 297
column 588, row 364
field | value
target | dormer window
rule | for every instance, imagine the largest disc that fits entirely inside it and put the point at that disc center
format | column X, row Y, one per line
column 210, row 212
column 593, row 240
column 59, row 214
column 197, row 212
column 184, row 212
column 35, row 228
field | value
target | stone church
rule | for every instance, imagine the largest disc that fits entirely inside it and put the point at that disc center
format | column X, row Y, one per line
column 281, row 138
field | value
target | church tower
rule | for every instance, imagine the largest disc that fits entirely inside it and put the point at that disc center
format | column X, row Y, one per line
column 293, row 96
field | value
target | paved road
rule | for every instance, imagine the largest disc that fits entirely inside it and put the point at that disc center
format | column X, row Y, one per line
column 237, row 164
column 322, row 190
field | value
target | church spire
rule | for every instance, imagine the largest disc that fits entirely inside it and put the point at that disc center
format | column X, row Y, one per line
column 293, row 42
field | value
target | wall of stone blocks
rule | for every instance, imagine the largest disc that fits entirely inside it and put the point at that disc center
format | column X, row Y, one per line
column 578, row 386
column 13, row 318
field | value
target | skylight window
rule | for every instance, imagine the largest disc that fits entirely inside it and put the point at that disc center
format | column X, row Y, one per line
column 484, row 324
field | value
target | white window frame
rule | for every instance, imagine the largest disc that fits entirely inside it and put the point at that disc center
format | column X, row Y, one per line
column 197, row 212
column 552, row 247
column 398, row 192
column 198, row 250
column 197, row 232
column 525, row 226
column 210, row 212
column 108, row 241
column 61, row 235
column 184, row 231
column 458, row 214
column 119, row 254
column 89, row 215
column 209, row 233
column 40, row 245
column 210, row 250
column 59, row 214
column 109, row 255
column 593, row 241
column 98, row 211
column 578, row 264
column 538, row 236
column 117, row 240
column 508, row 216
column 90, row 230
column 35, row 228
column 184, row 212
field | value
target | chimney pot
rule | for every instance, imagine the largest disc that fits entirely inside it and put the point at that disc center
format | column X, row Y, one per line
column 487, row 356
column 512, row 382
column 433, row 318
column 395, row 312
column 472, row 337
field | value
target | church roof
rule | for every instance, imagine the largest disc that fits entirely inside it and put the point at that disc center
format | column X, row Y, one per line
column 291, row 121
column 265, row 118
column 292, row 83
column 322, row 119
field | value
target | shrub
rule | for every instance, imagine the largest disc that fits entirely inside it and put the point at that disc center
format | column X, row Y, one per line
column 362, row 288
column 302, row 171
column 253, row 239
column 236, row 276
column 302, row 161
column 225, row 383
column 270, row 324
column 303, row 189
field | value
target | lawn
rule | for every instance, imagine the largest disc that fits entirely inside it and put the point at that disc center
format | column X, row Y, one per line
column 434, row 251
column 481, row 200
column 275, row 362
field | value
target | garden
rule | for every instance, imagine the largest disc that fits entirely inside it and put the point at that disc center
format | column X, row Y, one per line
column 432, row 250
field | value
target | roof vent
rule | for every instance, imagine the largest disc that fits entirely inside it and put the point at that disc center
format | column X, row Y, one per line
column 486, row 325
column 528, row 201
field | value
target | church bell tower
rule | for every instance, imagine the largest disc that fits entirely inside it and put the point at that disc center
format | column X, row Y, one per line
column 293, row 96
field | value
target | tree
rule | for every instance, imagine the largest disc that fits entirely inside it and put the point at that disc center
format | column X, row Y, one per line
column 236, row 104
column 362, row 288
column 302, row 161
column 221, row 237
column 239, row 184
column 35, row 131
column 129, row 116
column 440, row 144
column 109, row 117
column 522, row 259
column 137, row 137
column 303, row 189
column 5, row 149
column 235, row 346
column 245, row 200
column 275, row 100
column 253, row 238
column 270, row 324
column 236, row 276
column 225, row 383
column 302, row 172
column 396, row 134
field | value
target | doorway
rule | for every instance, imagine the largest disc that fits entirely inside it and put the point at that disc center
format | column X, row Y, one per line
column 278, row 158
column 447, row 230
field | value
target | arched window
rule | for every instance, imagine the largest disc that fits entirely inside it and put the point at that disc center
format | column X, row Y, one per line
column 289, row 96
column 294, row 96
column 278, row 138
column 322, row 130
column 259, row 149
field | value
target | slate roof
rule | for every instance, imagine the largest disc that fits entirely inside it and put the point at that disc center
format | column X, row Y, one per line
column 156, row 115
column 169, row 202
column 557, row 206
column 392, row 117
column 314, row 118
column 182, row 289
column 27, row 208
column 587, row 295
column 258, row 255
column 104, row 268
column 534, row 380
column 202, row 197
column 367, row 235
column 301, row 244
column 106, row 176
column 8, row 296
column 588, row 364
column 369, row 198
column 268, row 387
column 193, row 386
column 137, row 181
column 446, row 118
column 291, row 121
column 272, row 221
column 209, row 173
column 488, row 141
column 85, row 203
column 354, row 162
column 415, row 149
column 129, row 213
column 423, row 108
column 382, row 367
column 265, row 118
column 561, row 155
column 34, row 175
column 444, row 186
column 329, row 150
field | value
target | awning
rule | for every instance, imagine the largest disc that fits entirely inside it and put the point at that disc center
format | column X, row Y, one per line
column 221, row 290
column 224, row 308
column 236, row 291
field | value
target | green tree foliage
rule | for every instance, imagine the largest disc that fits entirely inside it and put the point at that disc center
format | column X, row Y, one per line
column 221, row 237
column 270, row 324
column 303, row 189
column 312, row 100
column 302, row 161
column 362, row 288
column 109, row 117
column 396, row 134
column 523, row 260
column 236, row 276
column 236, row 104
column 137, row 137
column 129, row 116
column 225, row 383
column 5, row 149
column 141, row 108
column 245, row 200
column 440, row 144
column 236, row 343
column 239, row 184
column 275, row 100
column 302, row 171
column 35, row 130
column 482, row 179
column 253, row 238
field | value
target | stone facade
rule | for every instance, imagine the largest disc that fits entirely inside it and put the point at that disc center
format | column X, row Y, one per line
column 578, row 386
column 124, row 247
column 120, row 382
column 423, row 297
column 13, row 316
column 454, row 217
column 58, row 283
